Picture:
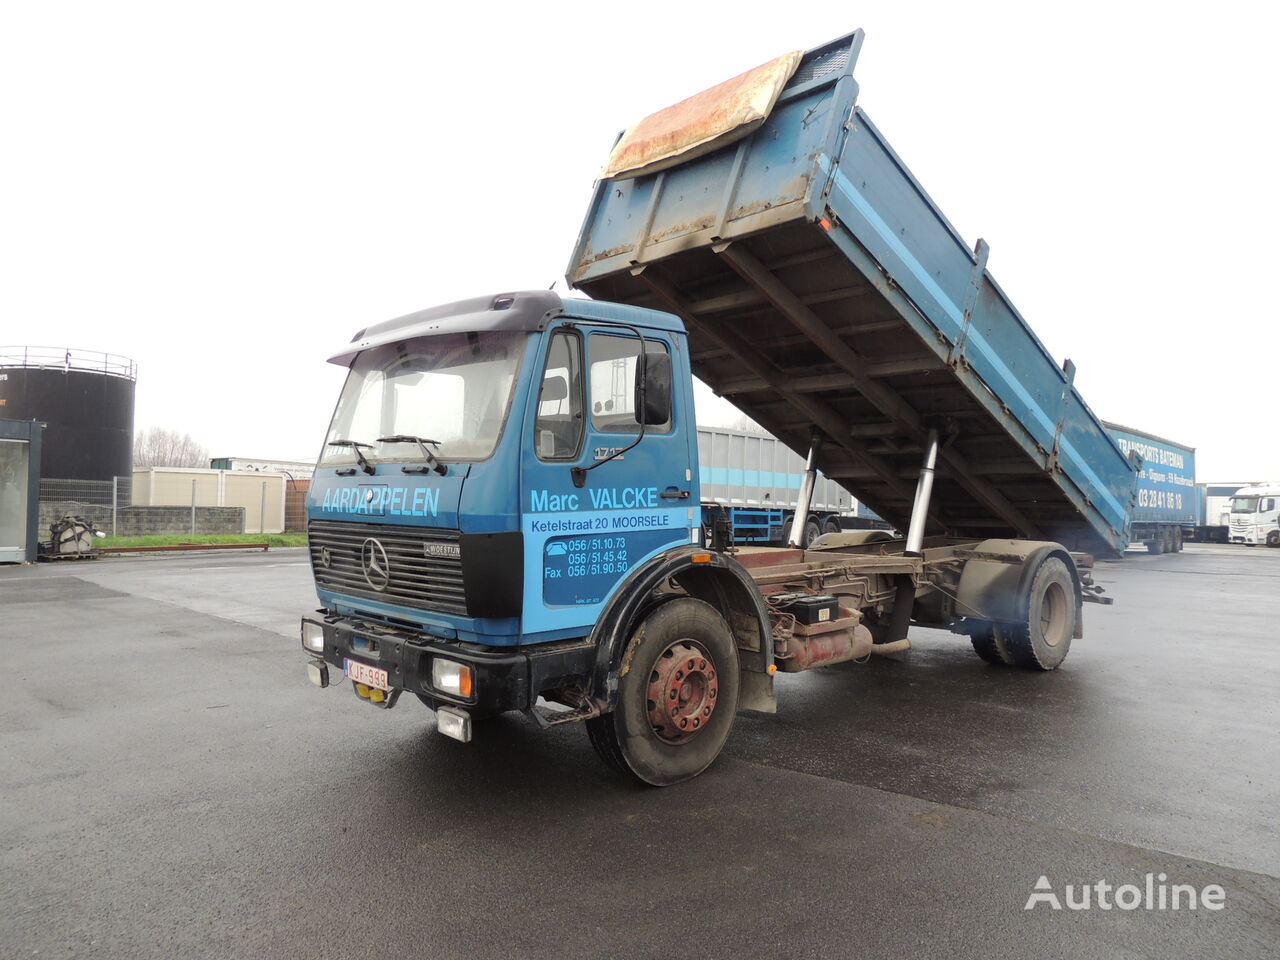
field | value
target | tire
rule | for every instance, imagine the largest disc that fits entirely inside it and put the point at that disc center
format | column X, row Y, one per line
column 832, row 525
column 786, row 532
column 1042, row 640
column 1273, row 538
column 1177, row 539
column 811, row 533
column 639, row 738
column 989, row 643
column 1156, row 546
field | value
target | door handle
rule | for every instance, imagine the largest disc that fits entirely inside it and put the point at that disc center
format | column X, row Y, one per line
column 671, row 493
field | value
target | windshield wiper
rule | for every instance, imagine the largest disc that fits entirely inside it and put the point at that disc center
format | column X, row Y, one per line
column 422, row 442
column 355, row 446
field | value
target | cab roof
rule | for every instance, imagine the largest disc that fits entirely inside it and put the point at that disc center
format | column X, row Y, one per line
column 526, row 310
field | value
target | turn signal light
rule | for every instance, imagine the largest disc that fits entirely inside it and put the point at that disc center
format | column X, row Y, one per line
column 701, row 558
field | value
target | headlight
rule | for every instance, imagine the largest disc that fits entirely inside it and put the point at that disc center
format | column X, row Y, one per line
column 455, row 679
column 313, row 636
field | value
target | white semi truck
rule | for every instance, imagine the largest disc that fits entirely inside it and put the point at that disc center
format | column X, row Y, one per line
column 1255, row 515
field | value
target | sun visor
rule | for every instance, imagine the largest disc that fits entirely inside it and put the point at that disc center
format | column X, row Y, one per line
column 706, row 121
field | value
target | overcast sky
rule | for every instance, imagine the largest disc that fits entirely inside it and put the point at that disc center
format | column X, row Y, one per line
column 227, row 191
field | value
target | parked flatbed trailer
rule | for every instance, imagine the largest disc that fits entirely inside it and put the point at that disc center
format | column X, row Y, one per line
column 822, row 287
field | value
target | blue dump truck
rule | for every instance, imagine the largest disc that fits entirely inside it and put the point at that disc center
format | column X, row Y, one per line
column 505, row 515
column 1168, row 507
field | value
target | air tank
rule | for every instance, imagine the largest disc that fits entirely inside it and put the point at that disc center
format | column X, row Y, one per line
column 85, row 398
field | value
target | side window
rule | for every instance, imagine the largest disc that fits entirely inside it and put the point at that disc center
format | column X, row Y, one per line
column 613, row 383
column 1268, row 505
column 557, row 431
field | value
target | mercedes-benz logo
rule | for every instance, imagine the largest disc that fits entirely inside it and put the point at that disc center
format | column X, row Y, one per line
column 377, row 569
column 326, row 558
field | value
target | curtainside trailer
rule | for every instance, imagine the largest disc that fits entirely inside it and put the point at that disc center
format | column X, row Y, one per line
column 505, row 514
column 1167, row 505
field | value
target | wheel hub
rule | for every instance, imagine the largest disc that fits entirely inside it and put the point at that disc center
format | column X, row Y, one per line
column 683, row 688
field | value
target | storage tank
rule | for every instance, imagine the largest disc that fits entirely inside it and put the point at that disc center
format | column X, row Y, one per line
column 86, row 399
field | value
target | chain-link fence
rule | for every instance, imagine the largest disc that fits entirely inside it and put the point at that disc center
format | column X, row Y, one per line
column 98, row 500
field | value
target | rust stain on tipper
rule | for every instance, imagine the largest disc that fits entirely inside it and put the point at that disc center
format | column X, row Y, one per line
column 702, row 123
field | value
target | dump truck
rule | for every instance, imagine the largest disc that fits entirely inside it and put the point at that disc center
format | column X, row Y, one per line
column 505, row 514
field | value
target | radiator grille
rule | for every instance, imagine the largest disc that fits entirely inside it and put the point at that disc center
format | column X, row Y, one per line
column 419, row 573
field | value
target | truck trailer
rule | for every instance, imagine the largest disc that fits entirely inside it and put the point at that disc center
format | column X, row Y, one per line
column 1213, row 512
column 751, row 485
column 1167, row 508
column 505, row 514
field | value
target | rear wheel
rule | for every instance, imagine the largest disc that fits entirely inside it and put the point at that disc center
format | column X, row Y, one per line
column 1041, row 641
column 1177, row 539
column 677, row 696
column 811, row 533
column 988, row 643
column 1156, row 545
column 831, row 526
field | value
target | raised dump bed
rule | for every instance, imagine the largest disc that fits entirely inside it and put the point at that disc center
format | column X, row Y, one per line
column 822, row 288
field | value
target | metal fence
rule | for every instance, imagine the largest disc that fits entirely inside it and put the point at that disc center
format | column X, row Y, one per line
column 58, row 358
column 66, row 496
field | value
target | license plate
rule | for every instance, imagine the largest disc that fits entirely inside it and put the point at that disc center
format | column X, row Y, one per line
column 359, row 672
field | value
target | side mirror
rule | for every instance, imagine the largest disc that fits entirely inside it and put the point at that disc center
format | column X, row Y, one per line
column 653, row 388
column 553, row 389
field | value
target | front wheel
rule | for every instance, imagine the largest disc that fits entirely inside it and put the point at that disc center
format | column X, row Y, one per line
column 677, row 696
column 1273, row 538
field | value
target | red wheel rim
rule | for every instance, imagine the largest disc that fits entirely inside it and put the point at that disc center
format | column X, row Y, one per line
column 683, row 689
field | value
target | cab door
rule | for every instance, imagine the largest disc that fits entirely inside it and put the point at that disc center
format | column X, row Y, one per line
column 592, row 510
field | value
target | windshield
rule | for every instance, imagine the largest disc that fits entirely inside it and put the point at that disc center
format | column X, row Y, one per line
column 454, row 389
column 1244, row 504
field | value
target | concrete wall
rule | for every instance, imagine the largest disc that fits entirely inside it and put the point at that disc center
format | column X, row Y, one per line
column 143, row 521
column 260, row 496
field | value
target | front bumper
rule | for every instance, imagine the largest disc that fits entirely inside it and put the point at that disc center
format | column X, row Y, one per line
column 506, row 678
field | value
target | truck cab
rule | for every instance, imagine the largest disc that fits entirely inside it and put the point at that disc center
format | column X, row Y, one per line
column 483, row 495
column 1255, row 515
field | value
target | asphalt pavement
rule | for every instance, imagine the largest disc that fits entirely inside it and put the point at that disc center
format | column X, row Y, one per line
column 172, row 786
